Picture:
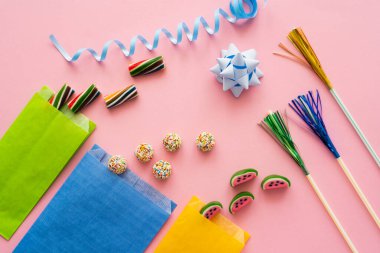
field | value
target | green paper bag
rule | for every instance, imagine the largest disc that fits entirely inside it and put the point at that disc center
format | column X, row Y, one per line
column 33, row 151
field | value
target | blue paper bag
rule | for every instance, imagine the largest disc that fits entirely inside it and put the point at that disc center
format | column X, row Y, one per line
column 99, row 211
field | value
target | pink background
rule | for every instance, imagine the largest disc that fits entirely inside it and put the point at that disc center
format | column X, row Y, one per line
column 186, row 98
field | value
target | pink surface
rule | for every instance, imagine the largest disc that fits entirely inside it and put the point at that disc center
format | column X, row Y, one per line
column 187, row 99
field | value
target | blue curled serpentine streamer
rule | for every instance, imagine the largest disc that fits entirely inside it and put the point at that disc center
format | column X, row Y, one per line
column 236, row 8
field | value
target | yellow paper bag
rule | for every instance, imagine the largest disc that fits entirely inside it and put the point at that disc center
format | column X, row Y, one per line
column 193, row 233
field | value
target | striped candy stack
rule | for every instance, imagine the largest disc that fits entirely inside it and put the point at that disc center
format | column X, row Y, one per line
column 146, row 66
column 83, row 99
column 62, row 96
column 121, row 96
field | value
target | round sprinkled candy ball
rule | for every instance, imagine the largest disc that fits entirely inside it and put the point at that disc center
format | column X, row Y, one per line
column 144, row 152
column 172, row 142
column 205, row 142
column 162, row 169
column 117, row 164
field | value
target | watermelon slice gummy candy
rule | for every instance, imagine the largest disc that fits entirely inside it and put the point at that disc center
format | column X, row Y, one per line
column 211, row 209
column 240, row 201
column 275, row 182
column 243, row 176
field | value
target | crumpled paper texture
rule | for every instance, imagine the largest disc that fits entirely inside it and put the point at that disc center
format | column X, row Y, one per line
column 192, row 233
column 97, row 211
column 33, row 151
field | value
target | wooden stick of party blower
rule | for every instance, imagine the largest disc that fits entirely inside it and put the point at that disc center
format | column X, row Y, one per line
column 275, row 126
column 309, row 109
